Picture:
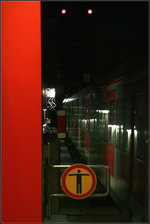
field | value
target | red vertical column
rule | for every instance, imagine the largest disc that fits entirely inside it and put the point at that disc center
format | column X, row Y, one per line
column 21, row 193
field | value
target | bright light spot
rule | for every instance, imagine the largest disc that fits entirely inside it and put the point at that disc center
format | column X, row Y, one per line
column 90, row 11
column 66, row 100
column 63, row 11
column 110, row 125
column 135, row 132
column 84, row 121
column 103, row 111
column 92, row 120
column 129, row 131
column 113, row 126
column 50, row 92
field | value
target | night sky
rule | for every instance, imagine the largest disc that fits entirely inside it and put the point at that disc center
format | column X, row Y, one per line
column 78, row 43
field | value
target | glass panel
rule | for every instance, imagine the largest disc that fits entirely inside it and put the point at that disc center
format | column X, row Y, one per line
column 140, row 125
column 111, row 121
column 126, row 125
column 111, row 112
column 111, row 132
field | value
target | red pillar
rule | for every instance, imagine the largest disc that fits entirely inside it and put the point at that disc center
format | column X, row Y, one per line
column 21, row 188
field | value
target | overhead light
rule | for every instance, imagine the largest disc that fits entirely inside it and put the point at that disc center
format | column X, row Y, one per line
column 103, row 111
column 67, row 100
column 129, row 131
column 50, row 92
column 90, row 11
column 63, row 11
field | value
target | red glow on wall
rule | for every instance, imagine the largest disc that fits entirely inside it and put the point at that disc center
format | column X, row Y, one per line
column 111, row 95
column 61, row 124
column 21, row 112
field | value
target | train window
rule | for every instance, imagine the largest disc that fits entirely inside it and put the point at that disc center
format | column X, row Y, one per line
column 117, row 137
column 100, row 125
column 119, row 121
column 105, row 127
column 125, row 140
column 105, row 122
column 140, row 123
column 126, row 125
column 97, row 126
column 111, row 122
column 111, row 113
column 120, row 137
column 111, row 132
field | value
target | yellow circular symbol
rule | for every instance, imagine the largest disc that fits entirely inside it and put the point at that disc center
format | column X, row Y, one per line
column 78, row 181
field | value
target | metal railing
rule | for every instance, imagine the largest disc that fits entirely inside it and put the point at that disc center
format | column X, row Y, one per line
column 96, row 195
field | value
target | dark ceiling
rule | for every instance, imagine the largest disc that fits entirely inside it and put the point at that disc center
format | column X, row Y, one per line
column 78, row 43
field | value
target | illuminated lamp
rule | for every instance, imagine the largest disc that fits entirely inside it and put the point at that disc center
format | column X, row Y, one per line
column 90, row 11
column 50, row 92
column 63, row 11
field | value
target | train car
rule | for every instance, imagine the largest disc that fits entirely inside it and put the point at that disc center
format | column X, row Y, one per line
column 107, row 122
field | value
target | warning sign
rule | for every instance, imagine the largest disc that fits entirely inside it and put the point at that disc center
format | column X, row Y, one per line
column 79, row 181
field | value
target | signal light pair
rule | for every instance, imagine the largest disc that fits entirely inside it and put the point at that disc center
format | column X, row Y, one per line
column 63, row 11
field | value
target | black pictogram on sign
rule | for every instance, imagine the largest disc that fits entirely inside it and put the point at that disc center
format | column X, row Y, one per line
column 78, row 181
